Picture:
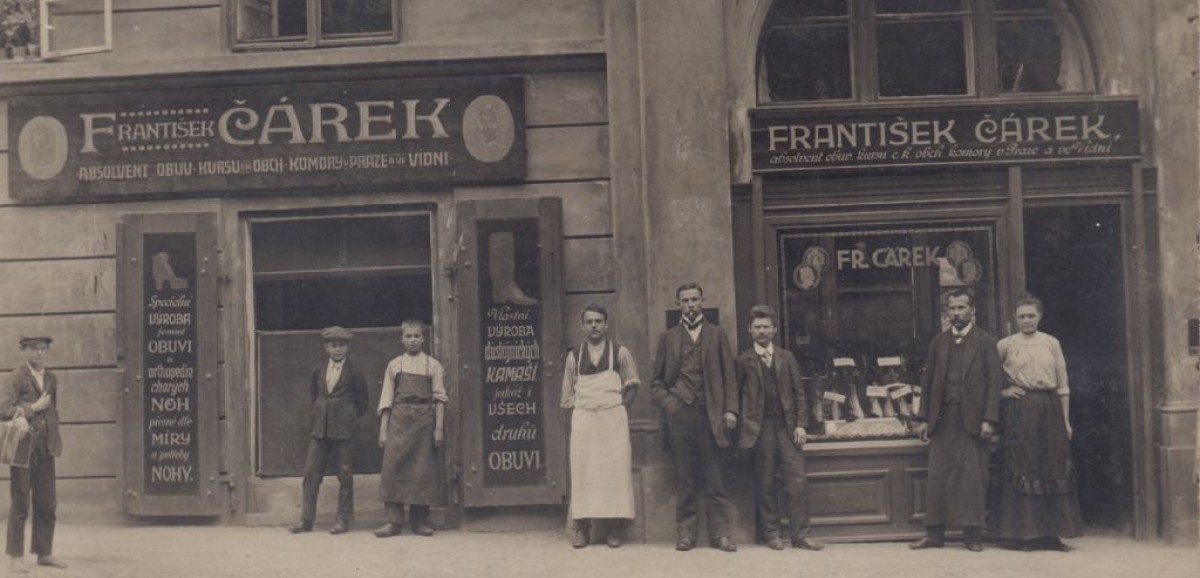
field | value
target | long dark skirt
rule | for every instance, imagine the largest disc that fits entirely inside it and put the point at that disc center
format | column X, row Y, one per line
column 1038, row 498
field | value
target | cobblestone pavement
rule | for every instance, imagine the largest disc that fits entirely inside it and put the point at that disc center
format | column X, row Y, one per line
column 211, row 552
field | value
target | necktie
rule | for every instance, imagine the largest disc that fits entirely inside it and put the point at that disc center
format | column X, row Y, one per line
column 766, row 358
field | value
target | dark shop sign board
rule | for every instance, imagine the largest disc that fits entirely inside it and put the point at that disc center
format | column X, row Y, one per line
column 261, row 138
column 168, row 309
column 785, row 140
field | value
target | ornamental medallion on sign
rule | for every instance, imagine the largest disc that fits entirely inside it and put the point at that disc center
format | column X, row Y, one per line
column 42, row 147
column 488, row 128
column 806, row 277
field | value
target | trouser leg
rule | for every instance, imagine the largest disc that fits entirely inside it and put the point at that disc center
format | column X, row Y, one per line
column 394, row 512
column 795, row 481
column 765, row 465
column 314, row 472
column 714, row 482
column 45, row 503
column 19, row 482
column 345, row 465
column 418, row 515
column 682, row 427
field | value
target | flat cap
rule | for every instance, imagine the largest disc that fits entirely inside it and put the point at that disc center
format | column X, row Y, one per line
column 336, row 333
column 27, row 340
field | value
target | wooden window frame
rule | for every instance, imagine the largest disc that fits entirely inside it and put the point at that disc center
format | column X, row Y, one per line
column 979, row 18
column 313, row 37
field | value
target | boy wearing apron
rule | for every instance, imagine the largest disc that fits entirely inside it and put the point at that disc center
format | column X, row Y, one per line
column 600, row 381
column 412, row 410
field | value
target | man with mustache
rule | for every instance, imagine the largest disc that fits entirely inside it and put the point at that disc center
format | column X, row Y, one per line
column 960, row 406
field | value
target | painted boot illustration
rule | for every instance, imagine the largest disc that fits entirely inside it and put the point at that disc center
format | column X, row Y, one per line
column 503, row 266
column 163, row 273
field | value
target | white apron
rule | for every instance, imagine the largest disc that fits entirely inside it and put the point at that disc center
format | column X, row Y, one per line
column 601, row 457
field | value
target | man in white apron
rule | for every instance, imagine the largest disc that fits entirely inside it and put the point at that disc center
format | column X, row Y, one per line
column 599, row 383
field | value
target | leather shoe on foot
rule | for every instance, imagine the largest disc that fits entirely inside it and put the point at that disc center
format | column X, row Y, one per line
column 300, row 527
column 924, row 543
column 423, row 530
column 975, row 546
column 613, row 539
column 51, row 561
column 339, row 527
column 17, row 566
column 775, row 543
column 685, row 544
column 388, row 530
column 724, row 544
column 579, row 539
column 807, row 543
column 1056, row 545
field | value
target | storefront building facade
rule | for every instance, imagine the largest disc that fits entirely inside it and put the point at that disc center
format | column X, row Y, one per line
column 184, row 221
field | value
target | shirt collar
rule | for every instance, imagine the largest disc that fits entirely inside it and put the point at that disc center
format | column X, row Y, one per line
column 768, row 350
column 336, row 363
column 37, row 372
column 960, row 334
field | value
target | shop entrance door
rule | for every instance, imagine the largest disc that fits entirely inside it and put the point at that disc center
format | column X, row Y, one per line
column 367, row 273
column 1074, row 264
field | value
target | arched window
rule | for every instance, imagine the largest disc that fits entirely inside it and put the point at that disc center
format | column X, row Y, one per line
column 869, row 50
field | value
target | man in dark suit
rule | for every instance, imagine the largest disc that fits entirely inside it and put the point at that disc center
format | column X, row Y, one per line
column 774, row 417
column 960, row 398
column 695, row 384
column 30, row 398
column 339, row 394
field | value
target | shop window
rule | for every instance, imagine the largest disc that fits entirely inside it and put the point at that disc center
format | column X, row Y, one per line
column 309, row 23
column 883, row 49
column 860, row 305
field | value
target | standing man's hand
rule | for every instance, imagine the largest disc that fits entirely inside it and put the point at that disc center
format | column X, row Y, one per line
column 730, row 420
column 923, row 431
column 22, row 424
column 799, row 437
column 986, row 431
column 439, row 438
column 42, row 404
column 382, row 437
column 1070, row 432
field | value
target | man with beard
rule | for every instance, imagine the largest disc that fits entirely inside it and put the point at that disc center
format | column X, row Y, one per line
column 958, row 415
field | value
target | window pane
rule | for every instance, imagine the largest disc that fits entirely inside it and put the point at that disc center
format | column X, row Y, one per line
column 356, row 16
column 1022, row 4
column 807, row 63
column 808, row 8
column 876, row 296
column 922, row 58
column 1029, row 56
column 916, row 6
column 266, row 19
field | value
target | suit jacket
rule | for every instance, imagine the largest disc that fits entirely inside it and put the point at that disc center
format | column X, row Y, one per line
column 720, row 378
column 20, row 391
column 981, row 383
column 754, row 400
column 335, row 413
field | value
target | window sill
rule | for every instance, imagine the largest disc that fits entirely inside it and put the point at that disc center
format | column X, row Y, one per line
column 69, row 69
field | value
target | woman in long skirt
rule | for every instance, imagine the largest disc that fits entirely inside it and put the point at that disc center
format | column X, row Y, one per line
column 1038, row 503
column 599, row 382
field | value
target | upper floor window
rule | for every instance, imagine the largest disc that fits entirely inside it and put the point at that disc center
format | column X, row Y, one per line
column 309, row 23
column 868, row 50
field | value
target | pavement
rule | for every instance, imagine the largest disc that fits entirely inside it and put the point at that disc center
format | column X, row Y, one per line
column 178, row 551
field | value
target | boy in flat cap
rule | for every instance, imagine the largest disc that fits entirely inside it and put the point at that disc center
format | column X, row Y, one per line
column 339, row 396
column 29, row 397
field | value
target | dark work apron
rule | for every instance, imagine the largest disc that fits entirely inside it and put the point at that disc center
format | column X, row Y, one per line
column 409, row 474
